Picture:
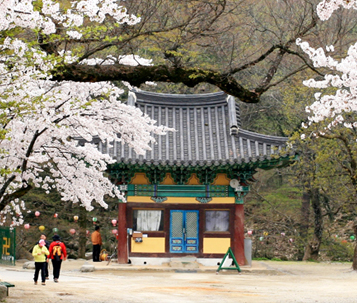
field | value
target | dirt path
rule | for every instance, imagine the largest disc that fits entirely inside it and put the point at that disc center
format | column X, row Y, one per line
column 267, row 281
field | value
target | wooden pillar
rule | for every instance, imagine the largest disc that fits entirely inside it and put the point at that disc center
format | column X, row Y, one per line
column 238, row 234
column 122, row 235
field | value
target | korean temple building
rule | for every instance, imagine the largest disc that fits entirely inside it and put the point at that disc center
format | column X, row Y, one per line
column 185, row 196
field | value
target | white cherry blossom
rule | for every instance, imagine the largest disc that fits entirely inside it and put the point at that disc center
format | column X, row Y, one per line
column 42, row 120
column 342, row 75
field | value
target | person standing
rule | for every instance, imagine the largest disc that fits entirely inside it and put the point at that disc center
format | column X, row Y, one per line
column 40, row 253
column 58, row 253
column 97, row 242
column 47, row 244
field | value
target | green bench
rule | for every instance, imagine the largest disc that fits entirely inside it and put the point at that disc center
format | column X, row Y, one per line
column 7, row 284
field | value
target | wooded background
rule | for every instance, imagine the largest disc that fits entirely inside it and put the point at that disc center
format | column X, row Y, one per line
column 246, row 48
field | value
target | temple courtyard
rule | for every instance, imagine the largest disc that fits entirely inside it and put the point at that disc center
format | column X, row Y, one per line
column 264, row 281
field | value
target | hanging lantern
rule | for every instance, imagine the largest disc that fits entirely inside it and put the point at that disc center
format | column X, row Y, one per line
column 41, row 228
column 114, row 222
column 27, row 226
column 94, row 220
column 261, row 238
column 282, row 234
column 265, row 233
column 114, row 231
column 37, row 213
column 55, row 215
column 250, row 232
column 72, row 231
column 75, row 218
column 55, row 230
column 352, row 237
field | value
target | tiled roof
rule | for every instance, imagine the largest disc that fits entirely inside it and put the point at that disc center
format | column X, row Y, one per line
column 208, row 132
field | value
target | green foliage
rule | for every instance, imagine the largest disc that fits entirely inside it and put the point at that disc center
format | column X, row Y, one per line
column 285, row 196
column 261, row 259
column 336, row 250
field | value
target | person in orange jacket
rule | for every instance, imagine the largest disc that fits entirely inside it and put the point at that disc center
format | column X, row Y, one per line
column 97, row 242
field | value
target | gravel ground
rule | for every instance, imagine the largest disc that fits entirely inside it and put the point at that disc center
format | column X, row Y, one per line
column 265, row 281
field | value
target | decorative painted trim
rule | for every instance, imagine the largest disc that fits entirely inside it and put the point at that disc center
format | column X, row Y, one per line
column 122, row 172
column 203, row 199
column 182, row 200
column 158, row 199
column 153, row 190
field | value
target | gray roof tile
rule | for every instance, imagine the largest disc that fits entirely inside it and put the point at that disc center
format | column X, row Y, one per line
column 206, row 133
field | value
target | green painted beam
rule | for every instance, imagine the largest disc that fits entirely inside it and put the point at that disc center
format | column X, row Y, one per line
column 209, row 191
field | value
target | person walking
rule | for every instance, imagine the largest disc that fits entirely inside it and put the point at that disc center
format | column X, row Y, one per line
column 58, row 253
column 40, row 253
column 47, row 244
column 97, row 242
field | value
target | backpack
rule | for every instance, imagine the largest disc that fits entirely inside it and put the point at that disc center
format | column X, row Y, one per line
column 57, row 252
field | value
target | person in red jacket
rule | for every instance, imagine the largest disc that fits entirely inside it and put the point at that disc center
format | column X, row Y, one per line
column 58, row 253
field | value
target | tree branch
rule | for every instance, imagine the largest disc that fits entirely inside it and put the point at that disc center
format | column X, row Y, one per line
column 15, row 195
column 137, row 75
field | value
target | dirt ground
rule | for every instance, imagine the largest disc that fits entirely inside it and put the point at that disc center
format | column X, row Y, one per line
column 265, row 281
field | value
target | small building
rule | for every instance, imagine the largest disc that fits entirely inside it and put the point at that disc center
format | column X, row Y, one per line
column 185, row 196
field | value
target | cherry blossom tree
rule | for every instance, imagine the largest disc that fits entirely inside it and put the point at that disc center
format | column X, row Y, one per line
column 341, row 75
column 333, row 114
column 41, row 118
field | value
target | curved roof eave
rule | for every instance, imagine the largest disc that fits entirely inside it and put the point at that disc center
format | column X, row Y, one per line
column 208, row 134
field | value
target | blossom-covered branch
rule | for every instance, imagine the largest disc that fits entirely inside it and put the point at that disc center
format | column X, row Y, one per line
column 342, row 76
column 41, row 118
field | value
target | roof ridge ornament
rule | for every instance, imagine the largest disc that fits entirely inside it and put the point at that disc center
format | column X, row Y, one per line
column 232, row 115
column 131, row 99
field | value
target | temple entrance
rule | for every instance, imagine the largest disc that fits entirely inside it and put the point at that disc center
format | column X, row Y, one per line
column 184, row 231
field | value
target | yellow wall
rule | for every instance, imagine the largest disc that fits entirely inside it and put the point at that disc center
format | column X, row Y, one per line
column 182, row 200
column 157, row 245
column 149, row 245
column 216, row 245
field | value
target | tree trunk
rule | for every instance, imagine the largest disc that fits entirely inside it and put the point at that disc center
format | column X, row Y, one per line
column 82, row 222
column 304, row 222
column 313, row 247
column 354, row 263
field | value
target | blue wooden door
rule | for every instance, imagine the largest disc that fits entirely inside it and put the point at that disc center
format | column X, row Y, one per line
column 184, row 231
